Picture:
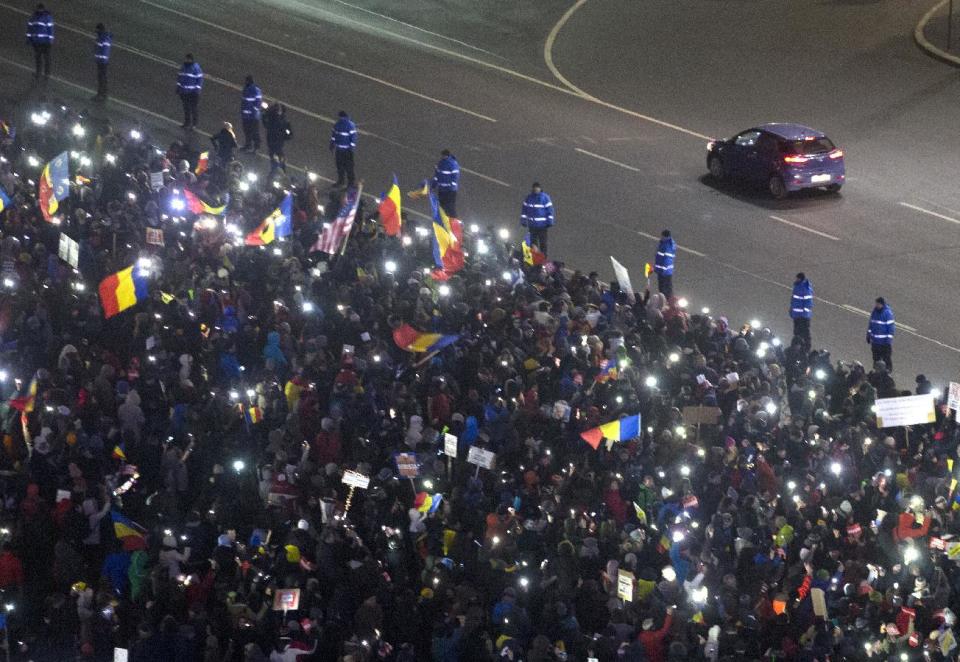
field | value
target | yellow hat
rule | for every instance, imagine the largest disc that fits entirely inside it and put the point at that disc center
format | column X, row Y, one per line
column 79, row 587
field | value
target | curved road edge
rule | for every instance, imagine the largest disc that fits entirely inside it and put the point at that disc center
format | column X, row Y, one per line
column 919, row 36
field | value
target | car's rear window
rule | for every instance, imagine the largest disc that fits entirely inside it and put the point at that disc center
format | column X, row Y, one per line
column 807, row 147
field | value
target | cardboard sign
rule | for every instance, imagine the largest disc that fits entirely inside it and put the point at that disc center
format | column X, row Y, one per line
column 953, row 396
column 623, row 279
column 286, row 599
column 938, row 544
column 154, row 236
column 121, row 655
column 690, row 501
column 450, row 445
column 481, row 458
column 625, row 585
column 156, row 180
column 69, row 251
column 701, row 415
column 906, row 410
column 355, row 479
column 819, row 602
column 407, row 465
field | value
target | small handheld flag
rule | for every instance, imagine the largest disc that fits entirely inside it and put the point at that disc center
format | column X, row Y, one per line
column 421, row 192
column 334, row 235
column 4, row 199
column 447, row 242
column 389, row 211
column 122, row 290
column 203, row 162
column 532, row 255
column 647, row 270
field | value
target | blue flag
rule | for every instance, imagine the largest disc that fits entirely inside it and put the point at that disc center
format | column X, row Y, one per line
column 283, row 217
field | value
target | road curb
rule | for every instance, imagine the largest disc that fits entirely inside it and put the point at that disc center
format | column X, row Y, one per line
column 925, row 45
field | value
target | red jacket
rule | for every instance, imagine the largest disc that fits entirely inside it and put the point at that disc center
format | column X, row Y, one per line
column 652, row 640
column 11, row 571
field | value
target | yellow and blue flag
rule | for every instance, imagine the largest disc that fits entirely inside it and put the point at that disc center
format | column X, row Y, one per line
column 409, row 339
column 283, row 217
column 54, row 185
column 4, row 199
column 447, row 242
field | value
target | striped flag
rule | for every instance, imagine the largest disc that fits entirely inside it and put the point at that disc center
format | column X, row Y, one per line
column 334, row 235
column 54, row 185
column 389, row 211
column 203, row 162
column 409, row 339
column 532, row 255
column 623, row 429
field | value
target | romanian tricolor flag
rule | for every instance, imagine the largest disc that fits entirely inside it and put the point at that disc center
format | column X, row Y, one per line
column 263, row 234
column 647, row 270
column 128, row 531
column 203, row 162
column 622, row 429
column 389, row 210
column 283, row 217
column 198, row 206
column 447, row 242
column 608, row 371
column 4, row 199
column 253, row 414
column 421, row 192
column 26, row 402
column 122, row 290
column 532, row 255
column 409, row 339
column 119, row 453
column 54, row 185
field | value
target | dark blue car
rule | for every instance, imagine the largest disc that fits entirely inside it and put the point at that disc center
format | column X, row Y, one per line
column 781, row 157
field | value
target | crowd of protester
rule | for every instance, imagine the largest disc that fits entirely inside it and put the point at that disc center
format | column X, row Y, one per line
column 760, row 513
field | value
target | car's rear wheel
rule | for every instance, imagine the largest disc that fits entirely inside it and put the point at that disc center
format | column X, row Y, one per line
column 776, row 187
column 717, row 171
column 834, row 188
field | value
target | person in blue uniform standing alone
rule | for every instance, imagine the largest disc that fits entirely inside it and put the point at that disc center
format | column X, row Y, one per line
column 103, row 42
column 537, row 216
column 446, row 182
column 40, row 37
column 663, row 263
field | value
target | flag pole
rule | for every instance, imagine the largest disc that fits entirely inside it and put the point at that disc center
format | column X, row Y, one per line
column 346, row 239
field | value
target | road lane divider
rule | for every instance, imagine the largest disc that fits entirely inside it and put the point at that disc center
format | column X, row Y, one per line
column 606, row 160
column 804, row 228
column 930, row 212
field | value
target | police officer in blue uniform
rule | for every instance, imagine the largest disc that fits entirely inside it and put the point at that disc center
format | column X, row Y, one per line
column 40, row 37
column 103, row 41
column 663, row 263
column 189, row 85
column 343, row 141
column 537, row 216
column 250, row 104
column 801, row 308
column 880, row 332
column 446, row 181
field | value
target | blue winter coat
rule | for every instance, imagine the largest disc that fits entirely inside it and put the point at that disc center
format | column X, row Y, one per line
column 40, row 28
column 446, row 176
column 250, row 102
column 801, row 302
column 537, row 211
column 344, row 134
column 666, row 253
column 190, row 79
column 101, row 52
column 882, row 326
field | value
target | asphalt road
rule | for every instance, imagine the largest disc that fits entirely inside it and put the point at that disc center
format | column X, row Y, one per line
column 623, row 154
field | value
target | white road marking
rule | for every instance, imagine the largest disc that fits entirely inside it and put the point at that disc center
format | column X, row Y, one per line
column 326, row 63
column 929, row 212
column 548, row 58
column 605, row 159
column 174, row 122
column 418, row 28
column 236, row 86
column 866, row 313
column 804, row 228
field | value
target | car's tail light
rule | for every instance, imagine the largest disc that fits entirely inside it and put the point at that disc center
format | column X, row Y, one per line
column 795, row 159
column 836, row 154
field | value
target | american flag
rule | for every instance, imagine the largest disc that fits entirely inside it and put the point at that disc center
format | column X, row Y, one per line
column 334, row 234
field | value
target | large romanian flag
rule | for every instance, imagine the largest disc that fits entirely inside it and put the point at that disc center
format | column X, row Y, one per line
column 128, row 532
column 54, row 185
column 263, row 234
column 447, row 242
column 622, row 429
column 121, row 290
column 409, row 339
column 198, row 206
column 389, row 211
